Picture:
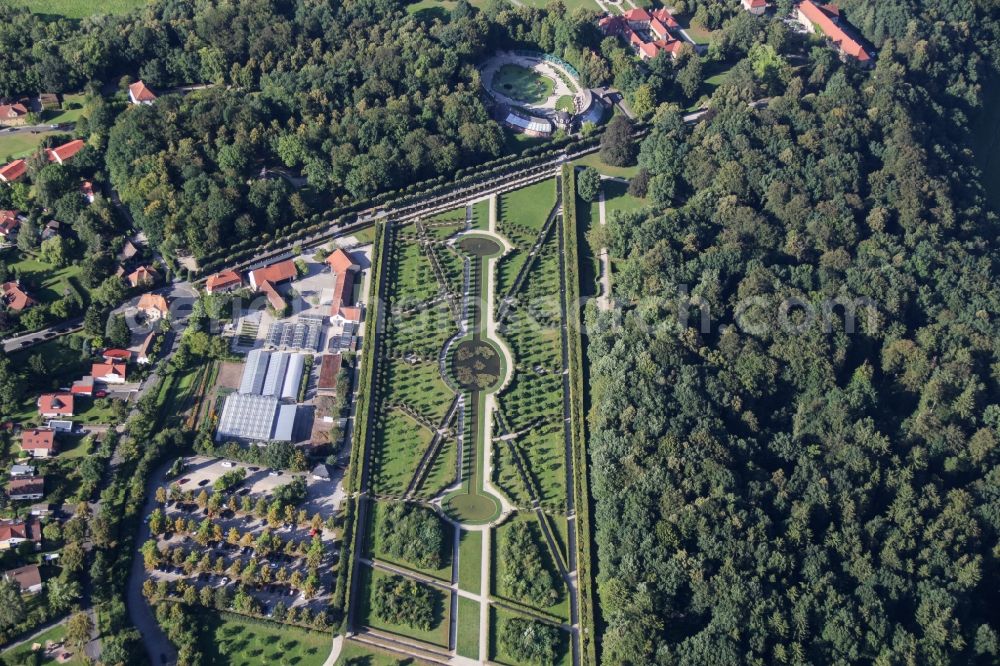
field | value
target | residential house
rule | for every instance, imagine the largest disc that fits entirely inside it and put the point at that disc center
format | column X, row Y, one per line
column 223, row 281
column 13, row 115
column 18, row 531
column 15, row 298
column 13, row 171
column 41, row 510
column 144, row 354
column 26, row 488
column 109, row 373
column 755, row 7
column 139, row 93
column 153, row 306
column 10, row 220
column 87, row 190
column 28, row 577
column 826, row 19
column 62, row 154
column 51, row 229
column 128, row 251
column 83, row 386
column 39, row 442
column 143, row 276
column 51, row 405
column 22, row 470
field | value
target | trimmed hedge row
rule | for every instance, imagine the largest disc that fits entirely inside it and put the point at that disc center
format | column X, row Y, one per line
column 581, row 488
column 345, row 575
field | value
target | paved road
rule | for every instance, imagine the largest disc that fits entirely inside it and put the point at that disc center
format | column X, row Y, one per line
column 31, row 339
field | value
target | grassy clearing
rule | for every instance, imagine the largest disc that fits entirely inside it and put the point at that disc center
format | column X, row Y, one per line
column 481, row 214
column 399, row 444
column 468, row 628
column 470, row 561
column 366, row 235
column 23, row 654
column 353, row 654
column 78, row 9
column 231, row 640
column 594, row 160
column 529, row 206
column 22, row 144
column 522, row 84
column 420, row 387
column 443, row 470
column 438, row 633
column 618, row 200
column 45, row 282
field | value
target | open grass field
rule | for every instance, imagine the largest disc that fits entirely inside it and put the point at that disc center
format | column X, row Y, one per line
column 22, row 654
column 618, row 200
column 529, row 206
column 230, row 640
column 78, row 9
column 22, row 144
column 353, row 654
column 522, row 84
column 594, row 160
column 498, row 616
column 70, row 113
column 470, row 558
column 46, row 283
column 399, row 445
column 468, row 628
column 438, row 633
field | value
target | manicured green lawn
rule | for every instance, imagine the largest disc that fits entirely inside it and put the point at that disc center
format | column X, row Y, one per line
column 565, row 103
column 46, row 283
column 470, row 561
column 438, row 633
column 522, row 84
column 353, row 654
column 230, row 640
column 78, row 9
column 66, row 114
column 515, row 142
column 481, row 215
column 617, row 199
column 398, row 448
column 366, row 235
column 468, row 628
column 22, row 144
column 529, row 206
column 22, row 654
column 594, row 160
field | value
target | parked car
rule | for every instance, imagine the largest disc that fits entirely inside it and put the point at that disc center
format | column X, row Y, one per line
column 183, row 481
column 274, row 472
column 227, row 463
column 101, row 394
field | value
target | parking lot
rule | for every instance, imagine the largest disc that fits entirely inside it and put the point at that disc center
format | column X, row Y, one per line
column 200, row 474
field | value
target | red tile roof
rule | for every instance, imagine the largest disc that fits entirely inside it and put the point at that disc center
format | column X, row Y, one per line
column 658, row 29
column 351, row 314
column 19, row 529
column 822, row 18
column 116, row 355
column 637, row 14
column 275, row 273
column 340, row 261
column 12, row 111
column 666, row 18
column 142, row 275
column 223, row 280
column 9, row 221
column 38, row 438
column 83, row 386
column 62, row 153
column 102, row 370
column 273, row 297
column 15, row 297
column 153, row 302
column 60, row 404
column 140, row 93
column 11, row 172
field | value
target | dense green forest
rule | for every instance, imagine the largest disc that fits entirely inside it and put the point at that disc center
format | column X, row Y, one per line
column 770, row 489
